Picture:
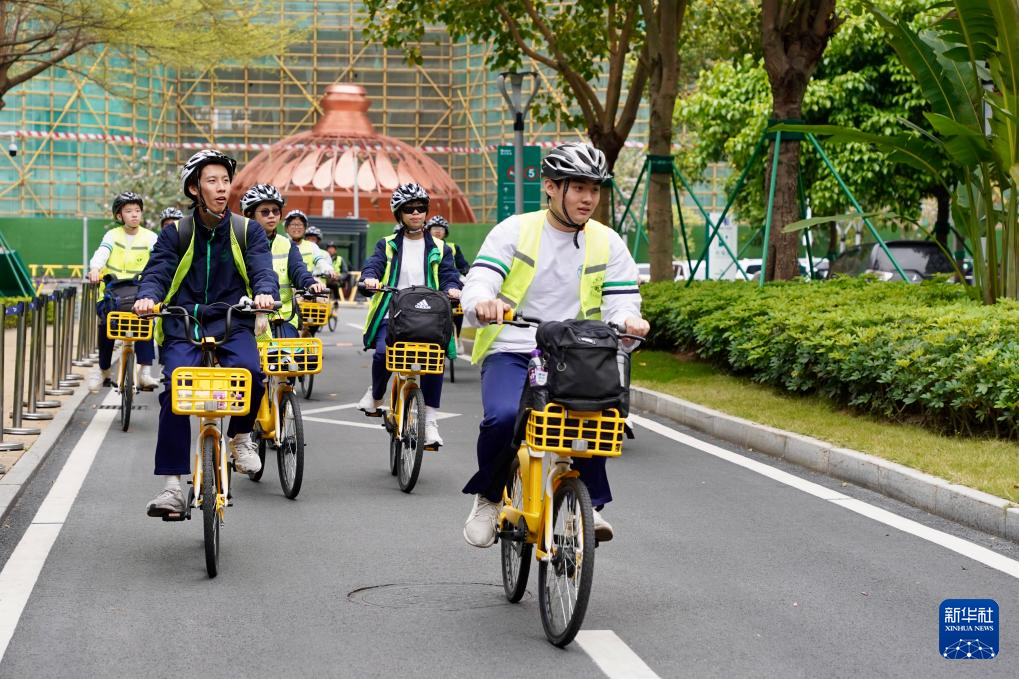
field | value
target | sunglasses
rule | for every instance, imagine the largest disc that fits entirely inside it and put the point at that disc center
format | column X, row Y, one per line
column 269, row 211
column 414, row 209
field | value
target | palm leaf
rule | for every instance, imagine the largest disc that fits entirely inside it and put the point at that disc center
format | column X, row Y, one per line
column 972, row 27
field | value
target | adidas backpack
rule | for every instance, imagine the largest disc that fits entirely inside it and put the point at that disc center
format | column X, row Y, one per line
column 420, row 314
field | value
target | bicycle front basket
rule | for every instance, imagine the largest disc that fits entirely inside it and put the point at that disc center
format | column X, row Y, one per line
column 291, row 356
column 314, row 314
column 415, row 358
column 129, row 327
column 575, row 433
column 210, row 392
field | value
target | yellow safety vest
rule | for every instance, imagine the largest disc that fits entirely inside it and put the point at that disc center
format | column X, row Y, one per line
column 380, row 302
column 280, row 260
column 127, row 261
column 520, row 273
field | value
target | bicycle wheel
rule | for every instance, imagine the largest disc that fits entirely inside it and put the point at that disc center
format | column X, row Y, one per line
column 452, row 370
column 307, row 384
column 564, row 582
column 332, row 319
column 126, row 391
column 210, row 518
column 290, row 454
column 516, row 556
column 413, row 444
column 256, row 435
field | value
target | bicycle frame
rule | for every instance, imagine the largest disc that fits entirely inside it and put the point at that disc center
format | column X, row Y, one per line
column 402, row 386
column 209, row 427
column 538, row 488
column 268, row 417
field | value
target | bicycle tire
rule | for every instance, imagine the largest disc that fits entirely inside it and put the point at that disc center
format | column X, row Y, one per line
column 290, row 453
column 332, row 320
column 452, row 371
column 570, row 495
column 127, row 392
column 394, row 452
column 413, row 445
column 256, row 434
column 516, row 556
column 307, row 384
column 210, row 520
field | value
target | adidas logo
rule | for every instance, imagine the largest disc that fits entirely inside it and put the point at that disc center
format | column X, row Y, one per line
column 423, row 304
column 586, row 339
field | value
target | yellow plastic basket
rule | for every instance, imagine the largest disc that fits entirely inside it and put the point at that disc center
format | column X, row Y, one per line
column 129, row 327
column 210, row 392
column 291, row 356
column 578, row 434
column 412, row 357
column 314, row 313
column 458, row 310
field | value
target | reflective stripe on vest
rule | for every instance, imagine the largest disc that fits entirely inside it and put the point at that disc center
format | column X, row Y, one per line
column 127, row 261
column 521, row 274
column 391, row 276
column 189, row 255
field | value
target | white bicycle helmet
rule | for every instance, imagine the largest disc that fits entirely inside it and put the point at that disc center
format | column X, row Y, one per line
column 313, row 231
column 575, row 161
column 260, row 193
column 170, row 213
column 296, row 213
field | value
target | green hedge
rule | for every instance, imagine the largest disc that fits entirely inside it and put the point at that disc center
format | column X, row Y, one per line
column 919, row 352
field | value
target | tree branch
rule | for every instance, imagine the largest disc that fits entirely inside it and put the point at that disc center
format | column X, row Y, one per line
column 617, row 65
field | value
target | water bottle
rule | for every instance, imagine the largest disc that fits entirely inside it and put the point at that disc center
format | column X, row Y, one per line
column 537, row 376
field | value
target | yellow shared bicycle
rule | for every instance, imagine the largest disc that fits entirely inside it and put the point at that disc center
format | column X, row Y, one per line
column 209, row 392
column 128, row 328
column 547, row 510
column 279, row 420
column 405, row 419
column 314, row 315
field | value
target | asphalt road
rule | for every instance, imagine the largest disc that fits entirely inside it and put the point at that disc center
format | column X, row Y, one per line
column 716, row 570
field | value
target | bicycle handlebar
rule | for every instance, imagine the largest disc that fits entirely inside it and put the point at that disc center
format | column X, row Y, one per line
column 245, row 305
column 521, row 321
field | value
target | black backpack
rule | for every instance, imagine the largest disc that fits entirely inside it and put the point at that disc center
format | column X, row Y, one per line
column 586, row 369
column 420, row 314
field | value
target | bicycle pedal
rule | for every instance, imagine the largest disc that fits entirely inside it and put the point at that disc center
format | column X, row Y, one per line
column 175, row 516
column 434, row 448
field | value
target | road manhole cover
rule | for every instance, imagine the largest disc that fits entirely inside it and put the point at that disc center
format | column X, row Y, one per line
column 437, row 596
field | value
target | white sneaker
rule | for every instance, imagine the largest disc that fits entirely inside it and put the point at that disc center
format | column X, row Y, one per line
column 368, row 405
column 245, row 454
column 602, row 528
column 96, row 379
column 432, row 437
column 480, row 529
column 460, row 351
column 145, row 379
column 169, row 501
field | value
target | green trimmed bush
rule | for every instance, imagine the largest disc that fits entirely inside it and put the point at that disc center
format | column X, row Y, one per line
column 911, row 352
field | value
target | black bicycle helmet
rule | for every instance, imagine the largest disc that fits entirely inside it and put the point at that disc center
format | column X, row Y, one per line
column 193, row 167
column 405, row 193
column 260, row 193
column 126, row 198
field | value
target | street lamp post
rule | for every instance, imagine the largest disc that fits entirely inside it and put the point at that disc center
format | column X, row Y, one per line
column 518, row 107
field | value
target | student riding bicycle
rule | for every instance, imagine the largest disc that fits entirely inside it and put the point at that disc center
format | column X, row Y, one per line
column 121, row 255
column 264, row 204
column 211, row 256
column 554, row 264
column 408, row 257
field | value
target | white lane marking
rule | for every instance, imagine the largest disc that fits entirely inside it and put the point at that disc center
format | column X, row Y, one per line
column 326, row 409
column 613, row 656
column 20, row 573
column 355, row 326
column 964, row 547
column 345, row 423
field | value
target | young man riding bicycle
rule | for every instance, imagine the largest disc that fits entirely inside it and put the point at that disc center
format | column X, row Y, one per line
column 408, row 257
column 211, row 257
column 554, row 264
column 123, row 254
column 264, row 204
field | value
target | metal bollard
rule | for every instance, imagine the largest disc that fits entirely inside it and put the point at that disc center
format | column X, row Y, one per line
column 67, row 345
column 82, row 360
column 93, row 323
column 56, row 369
column 21, row 337
column 36, row 369
column 5, row 445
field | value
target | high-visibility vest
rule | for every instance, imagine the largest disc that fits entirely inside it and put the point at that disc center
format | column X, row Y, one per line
column 127, row 261
column 520, row 273
column 185, row 226
column 380, row 302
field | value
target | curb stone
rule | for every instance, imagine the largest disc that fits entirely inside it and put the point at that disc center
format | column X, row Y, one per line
column 21, row 472
column 937, row 496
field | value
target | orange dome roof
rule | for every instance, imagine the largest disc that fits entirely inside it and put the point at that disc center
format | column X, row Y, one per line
column 342, row 150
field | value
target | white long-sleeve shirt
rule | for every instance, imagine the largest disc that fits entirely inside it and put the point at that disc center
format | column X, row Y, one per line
column 554, row 294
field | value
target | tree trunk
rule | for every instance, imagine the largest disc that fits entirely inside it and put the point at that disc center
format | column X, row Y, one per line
column 942, row 225
column 609, row 143
column 794, row 37
column 664, row 21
